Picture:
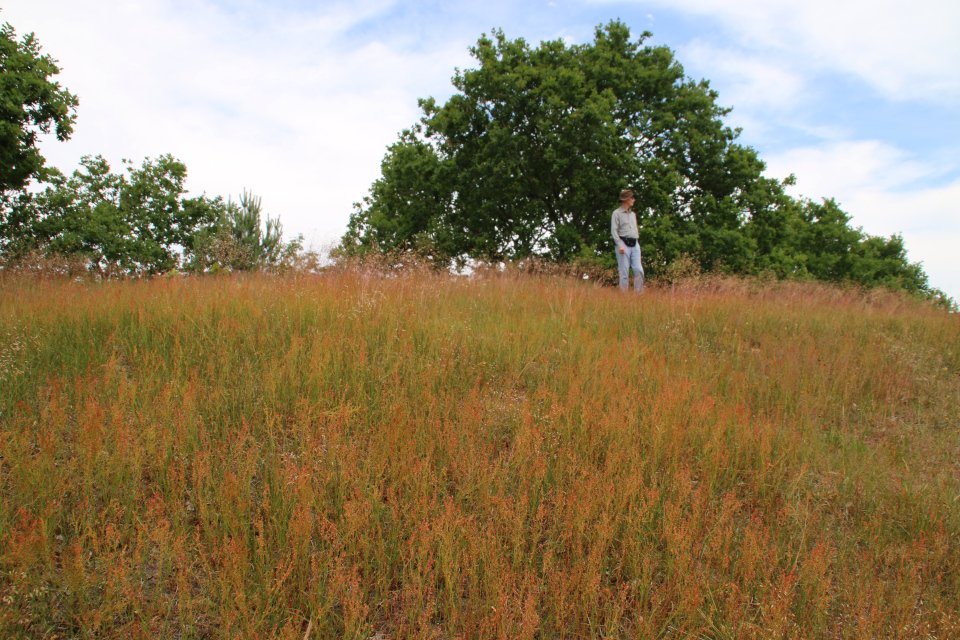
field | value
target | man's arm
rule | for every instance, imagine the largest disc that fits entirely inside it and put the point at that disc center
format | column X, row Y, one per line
column 615, row 232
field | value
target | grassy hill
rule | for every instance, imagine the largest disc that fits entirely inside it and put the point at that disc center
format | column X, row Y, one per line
column 368, row 456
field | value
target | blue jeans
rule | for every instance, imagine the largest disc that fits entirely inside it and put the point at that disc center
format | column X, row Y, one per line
column 627, row 260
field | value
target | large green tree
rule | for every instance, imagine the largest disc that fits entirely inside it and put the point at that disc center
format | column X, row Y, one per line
column 527, row 158
column 30, row 104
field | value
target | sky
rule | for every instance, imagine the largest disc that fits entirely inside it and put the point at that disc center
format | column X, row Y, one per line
column 297, row 100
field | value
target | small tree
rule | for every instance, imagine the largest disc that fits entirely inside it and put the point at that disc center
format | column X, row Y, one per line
column 240, row 240
column 132, row 224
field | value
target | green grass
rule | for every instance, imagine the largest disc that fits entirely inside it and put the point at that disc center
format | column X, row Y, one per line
column 368, row 455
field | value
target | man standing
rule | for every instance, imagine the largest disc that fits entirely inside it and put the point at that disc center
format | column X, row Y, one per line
column 623, row 226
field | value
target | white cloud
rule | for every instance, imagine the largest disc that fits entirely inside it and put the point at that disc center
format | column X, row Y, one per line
column 750, row 79
column 907, row 50
column 883, row 189
column 849, row 166
column 267, row 100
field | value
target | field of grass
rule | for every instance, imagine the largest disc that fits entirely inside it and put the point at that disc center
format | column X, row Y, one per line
column 352, row 455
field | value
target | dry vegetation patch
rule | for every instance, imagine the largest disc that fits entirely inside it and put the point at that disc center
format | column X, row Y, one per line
column 374, row 454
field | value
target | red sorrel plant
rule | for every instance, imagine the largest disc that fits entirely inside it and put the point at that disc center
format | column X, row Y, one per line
column 386, row 452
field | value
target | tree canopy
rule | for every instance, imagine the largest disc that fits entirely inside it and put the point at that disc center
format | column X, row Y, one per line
column 30, row 104
column 240, row 239
column 132, row 224
column 528, row 156
column 141, row 223
column 138, row 223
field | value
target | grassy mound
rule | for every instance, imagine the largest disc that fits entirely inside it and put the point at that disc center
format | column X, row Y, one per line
column 363, row 456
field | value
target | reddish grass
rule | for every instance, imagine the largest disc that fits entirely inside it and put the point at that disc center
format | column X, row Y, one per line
column 369, row 455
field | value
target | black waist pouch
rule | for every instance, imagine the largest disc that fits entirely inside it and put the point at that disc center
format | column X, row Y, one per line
column 630, row 242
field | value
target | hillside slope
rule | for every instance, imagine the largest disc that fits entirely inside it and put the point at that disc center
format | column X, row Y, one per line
column 356, row 455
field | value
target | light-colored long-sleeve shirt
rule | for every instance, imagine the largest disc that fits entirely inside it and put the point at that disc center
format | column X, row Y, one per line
column 623, row 223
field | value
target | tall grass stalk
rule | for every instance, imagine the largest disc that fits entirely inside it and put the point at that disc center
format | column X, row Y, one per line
column 361, row 454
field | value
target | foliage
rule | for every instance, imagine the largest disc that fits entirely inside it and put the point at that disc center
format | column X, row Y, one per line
column 120, row 224
column 528, row 156
column 409, row 204
column 530, row 153
column 357, row 456
column 112, row 223
column 141, row 223
column 30, row 103
column 240, row 241
column 836, row 251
